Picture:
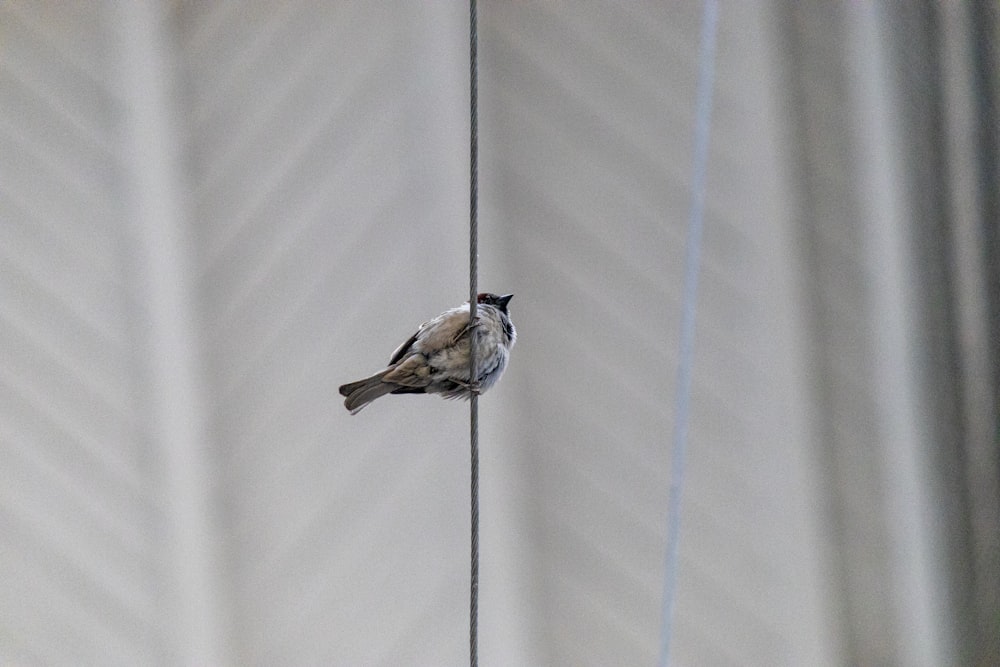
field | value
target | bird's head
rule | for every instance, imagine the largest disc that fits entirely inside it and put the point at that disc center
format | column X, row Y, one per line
column 487, row 299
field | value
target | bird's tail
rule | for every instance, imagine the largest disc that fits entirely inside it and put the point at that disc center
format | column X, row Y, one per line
column 361, row 393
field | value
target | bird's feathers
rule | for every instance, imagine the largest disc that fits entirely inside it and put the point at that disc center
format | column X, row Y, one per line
column 361, row 393
column 435, row 359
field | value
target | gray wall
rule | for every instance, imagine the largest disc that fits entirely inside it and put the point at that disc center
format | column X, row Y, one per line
column 214, row 213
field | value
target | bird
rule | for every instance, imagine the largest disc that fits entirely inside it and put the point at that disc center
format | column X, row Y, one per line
column 435, row 360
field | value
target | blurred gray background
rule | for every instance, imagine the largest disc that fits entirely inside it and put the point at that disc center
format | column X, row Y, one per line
column 214, row 213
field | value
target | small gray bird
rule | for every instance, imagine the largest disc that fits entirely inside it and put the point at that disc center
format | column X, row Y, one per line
column 435, row 360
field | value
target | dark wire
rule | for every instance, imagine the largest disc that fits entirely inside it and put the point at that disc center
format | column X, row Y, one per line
column 473, row 370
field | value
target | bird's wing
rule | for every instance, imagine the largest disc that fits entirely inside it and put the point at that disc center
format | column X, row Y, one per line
column 444, row 330
column 400, row 351
column 441, row 332
column 411, row 372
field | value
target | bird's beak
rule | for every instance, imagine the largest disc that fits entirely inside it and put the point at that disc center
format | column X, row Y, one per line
column 504, row 300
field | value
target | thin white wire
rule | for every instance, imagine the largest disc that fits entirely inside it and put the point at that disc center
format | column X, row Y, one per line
column 692, row 260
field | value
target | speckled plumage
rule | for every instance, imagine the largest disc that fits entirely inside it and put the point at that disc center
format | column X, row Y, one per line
column 435, row 360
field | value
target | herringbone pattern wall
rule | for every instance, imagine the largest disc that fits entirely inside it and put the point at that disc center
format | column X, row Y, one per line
column 79, row 505
column 320, row 187
column 590, row 175
column 324, row 157
column 329, row 193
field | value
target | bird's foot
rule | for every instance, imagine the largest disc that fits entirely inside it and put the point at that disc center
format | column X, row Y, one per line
column 471, row 387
